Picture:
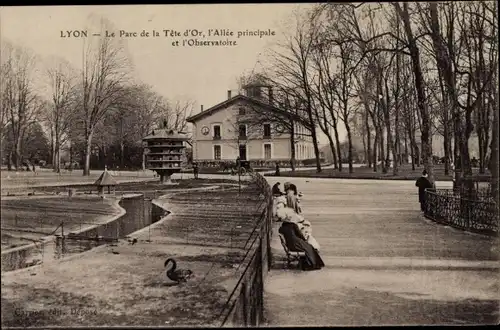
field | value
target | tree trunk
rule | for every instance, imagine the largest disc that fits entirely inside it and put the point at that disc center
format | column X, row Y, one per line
column 414, row 150
column 375, row 146
column 57, row 156
column 382, row 152
column 316, row 150
column 395, row 155
column 18, row 157
column 446, row 146
column 406, row 147
column 349, row 152
column 493, row 163
column 292, row 146
column 339, row 152
column 365, row 153
column 419, row 85
column 482, row 154
column 332, row 149
column 9, row 161
column 368, row 141
column 390, row 144
column 396, row 145
column 70, row 155
column 53, row 156
column 122, row 155
column 88, row 150
column 52, row 150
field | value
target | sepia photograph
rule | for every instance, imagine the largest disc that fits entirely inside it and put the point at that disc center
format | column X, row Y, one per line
column 165, row 165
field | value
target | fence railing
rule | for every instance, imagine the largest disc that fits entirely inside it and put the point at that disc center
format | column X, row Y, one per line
column 477, row 213
column 245, row 305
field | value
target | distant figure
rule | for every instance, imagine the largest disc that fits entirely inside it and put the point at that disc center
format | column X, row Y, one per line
column 276, row 191
column 195, row 170
column 277, row 173
column 423, row 183
column 474, row 162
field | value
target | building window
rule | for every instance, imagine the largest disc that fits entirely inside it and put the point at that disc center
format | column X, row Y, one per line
column 267, row 130
column 243, row 131
column 217, row 132
column 267, row 151
column 241, row 111
column 217, row 152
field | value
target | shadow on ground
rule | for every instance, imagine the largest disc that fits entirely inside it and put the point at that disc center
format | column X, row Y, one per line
column 357, row 307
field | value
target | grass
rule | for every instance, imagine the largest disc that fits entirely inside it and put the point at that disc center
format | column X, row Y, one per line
column 21, row 181
column 27, row 219
column 405, row 172
column 126, row 284
column 33, row 218
column 147, row 186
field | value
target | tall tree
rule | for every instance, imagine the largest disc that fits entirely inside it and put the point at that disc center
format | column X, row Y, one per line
column 62, row 82
column 19, row 100
column 104, row 75
column 292, row 67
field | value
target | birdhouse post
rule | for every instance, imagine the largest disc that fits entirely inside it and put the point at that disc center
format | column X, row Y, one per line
column 164, row 152
column 106, row 179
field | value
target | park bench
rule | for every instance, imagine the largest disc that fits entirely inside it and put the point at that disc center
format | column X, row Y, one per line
column 291, row 256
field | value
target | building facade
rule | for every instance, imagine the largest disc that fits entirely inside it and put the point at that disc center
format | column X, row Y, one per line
column 235, row 128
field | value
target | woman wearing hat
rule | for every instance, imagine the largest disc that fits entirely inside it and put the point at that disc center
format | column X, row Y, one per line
column 292, row 197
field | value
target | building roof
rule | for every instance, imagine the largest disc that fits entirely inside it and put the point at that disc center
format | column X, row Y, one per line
column 230, row 101
column 106, row 179
column 166, row 134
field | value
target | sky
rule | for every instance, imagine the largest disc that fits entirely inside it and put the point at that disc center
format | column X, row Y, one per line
column 199, row 74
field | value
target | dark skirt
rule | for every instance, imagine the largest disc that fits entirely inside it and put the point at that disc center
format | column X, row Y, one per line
column 296, row 243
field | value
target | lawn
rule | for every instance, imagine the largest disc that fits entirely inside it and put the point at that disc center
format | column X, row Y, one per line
column 405, row 172
column 12, row 180
column 27, row 219
column 139, row 187
column 125, row 284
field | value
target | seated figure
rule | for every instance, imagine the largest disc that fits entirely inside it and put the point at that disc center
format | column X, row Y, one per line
column 284, row 213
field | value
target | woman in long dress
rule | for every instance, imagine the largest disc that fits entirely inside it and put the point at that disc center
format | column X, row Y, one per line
column 285, row 213
column 295, row 241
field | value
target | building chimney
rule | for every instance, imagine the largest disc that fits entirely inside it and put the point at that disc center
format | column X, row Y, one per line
column 228, row 94
column 201, row 108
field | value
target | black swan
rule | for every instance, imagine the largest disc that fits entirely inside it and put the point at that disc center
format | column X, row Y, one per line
column 177, row 275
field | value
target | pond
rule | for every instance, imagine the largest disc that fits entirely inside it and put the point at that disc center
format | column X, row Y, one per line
column 140, row 212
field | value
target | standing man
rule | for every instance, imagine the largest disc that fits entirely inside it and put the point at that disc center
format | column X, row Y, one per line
column 195, row 170
column 277, row 172
column 423, row 183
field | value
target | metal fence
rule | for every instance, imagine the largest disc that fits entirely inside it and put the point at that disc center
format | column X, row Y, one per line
column 475, row 213
column 245, row 305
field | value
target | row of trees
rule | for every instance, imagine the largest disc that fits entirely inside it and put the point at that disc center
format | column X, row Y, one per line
column 394, row 74
column 96, row 115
